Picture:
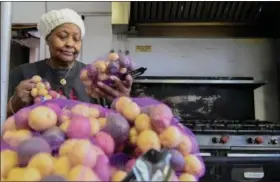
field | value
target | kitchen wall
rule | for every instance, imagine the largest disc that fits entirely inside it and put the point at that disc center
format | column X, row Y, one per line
column 30, row 12
column 215, row 57
column 189, row 57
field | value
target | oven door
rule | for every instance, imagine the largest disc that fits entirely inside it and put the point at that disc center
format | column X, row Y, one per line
column 241, row 165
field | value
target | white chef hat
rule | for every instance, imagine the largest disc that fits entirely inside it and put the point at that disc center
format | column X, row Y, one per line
column 52, row 19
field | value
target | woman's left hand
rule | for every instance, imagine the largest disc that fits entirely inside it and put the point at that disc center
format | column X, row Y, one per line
column 122, row 88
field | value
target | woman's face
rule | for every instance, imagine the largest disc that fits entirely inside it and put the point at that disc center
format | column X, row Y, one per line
column 65, row 42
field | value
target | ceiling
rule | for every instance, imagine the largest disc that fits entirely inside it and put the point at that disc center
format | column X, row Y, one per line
column 235, row 13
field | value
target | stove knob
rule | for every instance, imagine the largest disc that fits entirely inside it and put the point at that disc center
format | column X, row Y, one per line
column 259, row 140
column 215, row 140
column 274, row 141
column 224, row 139
column 250, row 140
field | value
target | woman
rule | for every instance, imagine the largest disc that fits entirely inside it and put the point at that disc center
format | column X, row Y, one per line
column 63, row 31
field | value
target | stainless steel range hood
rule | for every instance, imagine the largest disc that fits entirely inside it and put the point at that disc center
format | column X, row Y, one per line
column 120, row 17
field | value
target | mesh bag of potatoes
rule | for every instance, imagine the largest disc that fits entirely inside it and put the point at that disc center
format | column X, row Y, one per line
column 114, row 64
column 66, row 140
column 42, row 91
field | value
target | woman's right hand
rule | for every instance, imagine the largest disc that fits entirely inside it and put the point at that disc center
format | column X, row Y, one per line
column 22, row 94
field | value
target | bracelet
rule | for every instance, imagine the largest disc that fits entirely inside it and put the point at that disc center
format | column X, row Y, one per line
column 10, row 105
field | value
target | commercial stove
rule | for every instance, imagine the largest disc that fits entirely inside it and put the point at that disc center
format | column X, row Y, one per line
column 236, row 150
column 220, row 111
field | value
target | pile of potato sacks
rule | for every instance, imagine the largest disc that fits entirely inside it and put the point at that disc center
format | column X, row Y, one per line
column 66, row 140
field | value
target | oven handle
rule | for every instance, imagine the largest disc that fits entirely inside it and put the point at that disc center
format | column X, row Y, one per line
column 242, row 160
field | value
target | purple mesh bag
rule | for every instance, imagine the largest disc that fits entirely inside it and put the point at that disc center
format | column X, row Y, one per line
column 162, row 117
column 63, row 109
column 112, row 64
column 5, row 146
column 61, row 119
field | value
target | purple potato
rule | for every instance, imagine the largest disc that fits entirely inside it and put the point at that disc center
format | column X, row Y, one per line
column 92, row 71
column 113, row 68
column 125, row 62
column 177, row 160
column 104, row 112
column 108, row 82
column 36, row 134
column 131, row 66
column 119, row 160
column 118, row 127
column 55, row 137
column 28, row 148
column 53, row 178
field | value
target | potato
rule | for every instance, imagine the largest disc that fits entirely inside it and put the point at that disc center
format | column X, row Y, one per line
column 14, row 138
column 65, row 115
column 113, row 56
column 67, row 146
column 62, row 166
column 82, row 154
column 105, row 142
column 130, row 111
column 55, row 178
column 34, row 92
column 82, row 173
column 41, row 118
column 170, row 137
column 119, row 103
column 21, row 118
column 36, row 79
column 147, row 140
column 142, row 122
column 118, row 127
column 24, row 174
column 187, row 177
column 187, row 145
column 118, row 176
column 101, row 66
column 113, row 68
column 55, row 137
column 161, row 116
column 102, row 168
column 9, row 159
column 84, row 75
column 177, row 161
column 81, row 109
column 43, row 162
column 9, row 124
column 194, row 165
column 79, row 127
column 28, row 148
